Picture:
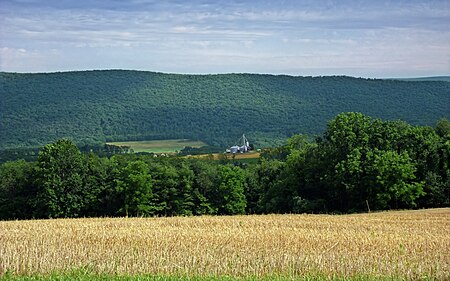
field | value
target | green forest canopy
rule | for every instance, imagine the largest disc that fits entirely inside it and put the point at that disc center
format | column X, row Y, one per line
column 118, row 105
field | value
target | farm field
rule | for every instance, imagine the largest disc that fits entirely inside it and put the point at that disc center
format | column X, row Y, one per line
column 159, row 146
column 229, row 156
column 397, row 245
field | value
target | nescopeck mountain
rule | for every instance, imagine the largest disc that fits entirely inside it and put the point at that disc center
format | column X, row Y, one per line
column 117, row 105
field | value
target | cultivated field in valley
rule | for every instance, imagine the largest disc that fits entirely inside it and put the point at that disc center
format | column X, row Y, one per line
column 159, row 146
column 228, row 156
column 398, row 245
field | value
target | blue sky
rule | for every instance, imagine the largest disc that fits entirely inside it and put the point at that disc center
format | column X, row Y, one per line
column 376, row 38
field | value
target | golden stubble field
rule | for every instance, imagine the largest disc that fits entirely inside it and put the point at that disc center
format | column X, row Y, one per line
column 403, row 244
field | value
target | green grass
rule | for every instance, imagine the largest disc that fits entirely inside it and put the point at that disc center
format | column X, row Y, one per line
column 84, row 276
column 160, row 146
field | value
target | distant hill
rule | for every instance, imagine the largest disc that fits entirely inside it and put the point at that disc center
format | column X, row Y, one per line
column 433, row 78
column 118, row 105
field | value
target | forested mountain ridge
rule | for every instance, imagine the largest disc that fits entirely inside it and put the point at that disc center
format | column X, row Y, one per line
column 431, row 78
column 98, row 106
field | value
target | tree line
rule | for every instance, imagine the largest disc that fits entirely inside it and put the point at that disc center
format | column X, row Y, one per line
column 359, row 163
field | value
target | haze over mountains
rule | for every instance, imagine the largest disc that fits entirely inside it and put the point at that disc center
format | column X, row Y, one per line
column 116, row 105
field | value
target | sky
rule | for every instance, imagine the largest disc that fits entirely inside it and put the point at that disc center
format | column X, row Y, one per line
column 374, row 39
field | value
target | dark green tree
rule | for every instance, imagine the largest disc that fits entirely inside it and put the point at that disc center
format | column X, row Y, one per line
column 275, row 196
column 206, row 178
column 345, row 141
column 165, row 188
column 135, row 186
column 391, row 180
column 17, row 190
column 60, row 180
column 99, row 181
column 253, row 191
column 443, row 127
column 302, row 177
column 185, row 197
column 381, row 162
column 232, row 200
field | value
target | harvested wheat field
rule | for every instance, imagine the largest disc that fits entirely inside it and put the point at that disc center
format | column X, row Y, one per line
column 395, row 245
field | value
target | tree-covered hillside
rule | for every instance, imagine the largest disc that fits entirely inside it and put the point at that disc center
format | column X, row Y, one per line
column 113, row 105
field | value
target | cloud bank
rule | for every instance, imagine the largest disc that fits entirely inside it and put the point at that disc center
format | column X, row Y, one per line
column 359, row 38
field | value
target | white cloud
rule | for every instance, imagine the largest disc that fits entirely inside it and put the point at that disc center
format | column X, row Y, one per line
column 231, row 36
column 20, row 59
